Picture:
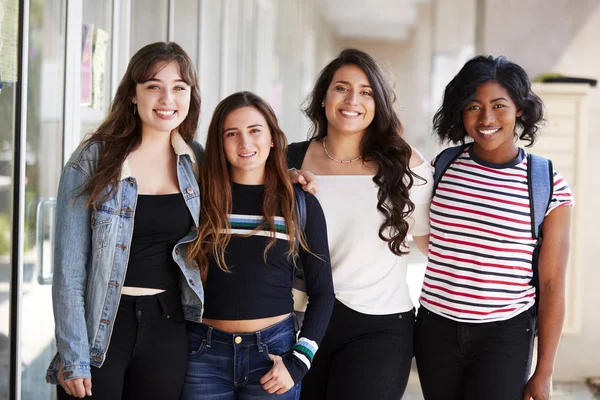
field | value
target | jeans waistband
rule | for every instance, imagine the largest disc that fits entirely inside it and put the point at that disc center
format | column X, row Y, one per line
column 243, row 339
column 164, row 303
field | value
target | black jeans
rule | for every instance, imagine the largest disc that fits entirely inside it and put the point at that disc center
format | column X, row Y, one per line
column 362, row 357
column 147, row 355
column 471, row 361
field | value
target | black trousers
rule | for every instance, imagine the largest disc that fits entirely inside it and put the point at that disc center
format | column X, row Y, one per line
column 147, row 355
column 362, row 357
column 470, row 361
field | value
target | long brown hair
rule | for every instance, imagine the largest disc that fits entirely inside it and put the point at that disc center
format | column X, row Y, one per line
column 215, row 187
column 382, row 144
column 121, row 131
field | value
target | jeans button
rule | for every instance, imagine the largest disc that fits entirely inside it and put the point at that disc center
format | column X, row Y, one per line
column 399, row 316
column 139, row 313
column 237, row 340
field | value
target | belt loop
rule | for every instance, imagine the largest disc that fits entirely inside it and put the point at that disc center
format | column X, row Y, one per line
column 208, row 335
column 259, row 342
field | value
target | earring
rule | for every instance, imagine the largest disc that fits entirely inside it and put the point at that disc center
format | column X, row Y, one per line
column 322, row 104
column 134, row 108
column 272, row 144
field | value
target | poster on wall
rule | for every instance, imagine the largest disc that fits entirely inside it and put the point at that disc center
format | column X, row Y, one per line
column 100, row 47
column 9, row 13
column 86, row 64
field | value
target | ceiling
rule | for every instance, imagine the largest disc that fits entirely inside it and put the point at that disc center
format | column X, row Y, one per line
column 371, row 19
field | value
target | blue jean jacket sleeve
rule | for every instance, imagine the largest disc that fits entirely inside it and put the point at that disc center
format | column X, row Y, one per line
column 71, row 255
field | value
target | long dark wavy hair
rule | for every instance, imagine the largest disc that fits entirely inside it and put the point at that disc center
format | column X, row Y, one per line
column 382, row 144
column 121, row 131
column 215, row 188
column 448, row 121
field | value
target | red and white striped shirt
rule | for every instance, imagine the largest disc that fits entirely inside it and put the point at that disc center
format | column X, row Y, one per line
column 480, row 245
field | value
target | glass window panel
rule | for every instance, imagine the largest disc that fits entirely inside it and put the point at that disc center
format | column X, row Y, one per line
column 212, row 14
column 186, row 26
column 96, row 63
column 8, row 66
column 149, row 20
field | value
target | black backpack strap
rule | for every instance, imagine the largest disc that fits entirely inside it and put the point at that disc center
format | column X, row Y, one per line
column 295, row 154
column 198, row 155
column 444, row 160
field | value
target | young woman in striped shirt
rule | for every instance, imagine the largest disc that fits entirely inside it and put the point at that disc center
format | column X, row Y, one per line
column 477, row 321
column 249, row 238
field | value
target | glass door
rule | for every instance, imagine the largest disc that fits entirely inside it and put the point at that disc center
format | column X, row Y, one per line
column 43, row 162
column 9, row 11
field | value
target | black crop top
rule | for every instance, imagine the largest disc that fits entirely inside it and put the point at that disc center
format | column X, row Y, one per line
column 255, row 289
column 159, row 222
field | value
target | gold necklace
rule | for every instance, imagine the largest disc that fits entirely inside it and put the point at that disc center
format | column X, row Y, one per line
column 335, row 159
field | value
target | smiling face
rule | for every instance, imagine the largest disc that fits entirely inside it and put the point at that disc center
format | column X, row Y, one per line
column 349, row 102
column 247, row 143
column 490, row 120
column 163, row 101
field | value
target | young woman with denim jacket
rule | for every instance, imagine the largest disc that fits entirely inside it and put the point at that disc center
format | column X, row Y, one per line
column 249, row 244
column 128, row 203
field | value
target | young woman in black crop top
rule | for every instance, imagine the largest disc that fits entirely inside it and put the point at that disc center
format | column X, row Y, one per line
column 248, row 246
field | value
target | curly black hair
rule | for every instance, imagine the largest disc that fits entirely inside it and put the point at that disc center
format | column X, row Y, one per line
column 382, row 144
column 447, row 121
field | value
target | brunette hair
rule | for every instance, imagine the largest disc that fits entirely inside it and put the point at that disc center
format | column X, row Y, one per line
column 121, row 131
column 215, row 187
column 448, row 122
column 382, row 144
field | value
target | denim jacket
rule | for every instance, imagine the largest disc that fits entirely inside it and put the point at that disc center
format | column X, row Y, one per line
column 91, row 254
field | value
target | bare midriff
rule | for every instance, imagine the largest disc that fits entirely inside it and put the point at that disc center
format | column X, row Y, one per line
column 140, row 291
column 244, row 325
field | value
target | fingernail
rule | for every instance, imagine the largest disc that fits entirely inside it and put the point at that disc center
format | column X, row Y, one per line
column 89, row 392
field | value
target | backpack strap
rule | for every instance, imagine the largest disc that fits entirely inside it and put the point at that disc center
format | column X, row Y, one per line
column 198, row 154
column 444, row 160
column 300, row 203
column 540, row 179
column 295, row 154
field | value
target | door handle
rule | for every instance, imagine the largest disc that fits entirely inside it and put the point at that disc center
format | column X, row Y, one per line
column 45, row 267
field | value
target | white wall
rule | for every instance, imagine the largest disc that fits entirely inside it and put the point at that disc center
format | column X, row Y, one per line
column 579, row 355
column 534, row 33
column 408, row 64
column 562, row 38
column 304, row 44
column 274, row 48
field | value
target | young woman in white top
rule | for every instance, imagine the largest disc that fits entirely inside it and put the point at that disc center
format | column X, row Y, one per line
column 375, row 190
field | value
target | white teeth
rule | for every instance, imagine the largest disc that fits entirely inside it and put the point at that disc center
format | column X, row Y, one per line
column 350, row 113
column 161, row 112
column 488, row 131
column 247, row 154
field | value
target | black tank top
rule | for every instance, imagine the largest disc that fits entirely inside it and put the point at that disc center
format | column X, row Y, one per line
column 159, row 222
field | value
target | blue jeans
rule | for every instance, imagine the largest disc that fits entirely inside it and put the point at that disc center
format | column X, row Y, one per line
column 228, row 366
